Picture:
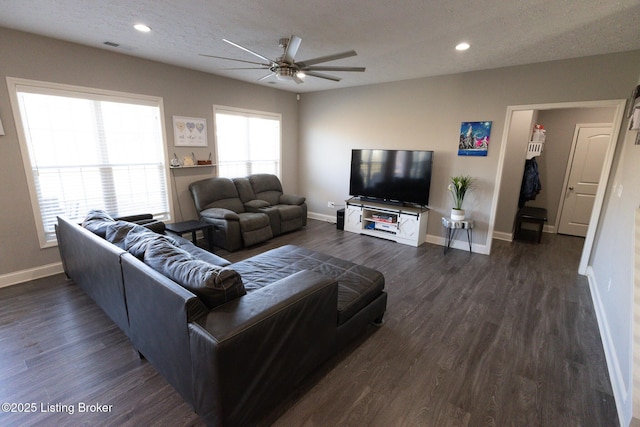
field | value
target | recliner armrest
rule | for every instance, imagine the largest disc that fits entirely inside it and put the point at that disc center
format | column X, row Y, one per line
column 249, row 352
column 291, row 199
column 220, row 213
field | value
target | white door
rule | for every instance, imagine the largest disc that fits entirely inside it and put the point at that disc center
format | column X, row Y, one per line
column 589, row 149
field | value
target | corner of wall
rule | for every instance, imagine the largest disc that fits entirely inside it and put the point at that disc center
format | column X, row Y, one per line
column 620, row 391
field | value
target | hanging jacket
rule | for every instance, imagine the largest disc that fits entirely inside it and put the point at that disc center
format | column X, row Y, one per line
column 531, row 185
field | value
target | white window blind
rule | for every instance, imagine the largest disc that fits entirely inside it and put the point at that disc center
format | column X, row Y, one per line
column 89, row 151
column 247, row 142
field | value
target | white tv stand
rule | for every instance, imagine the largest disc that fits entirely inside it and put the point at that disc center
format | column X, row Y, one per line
column 402, row 224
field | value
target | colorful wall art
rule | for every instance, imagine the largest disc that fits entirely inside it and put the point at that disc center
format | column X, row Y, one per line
column 474, row 138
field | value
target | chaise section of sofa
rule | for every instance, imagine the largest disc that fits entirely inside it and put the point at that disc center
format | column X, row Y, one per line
column 232, row 339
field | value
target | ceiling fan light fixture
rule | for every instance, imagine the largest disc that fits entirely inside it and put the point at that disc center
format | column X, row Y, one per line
column 300, row 74
column 463, row 46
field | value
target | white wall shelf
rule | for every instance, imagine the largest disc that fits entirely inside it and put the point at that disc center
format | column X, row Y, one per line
column 192, row 166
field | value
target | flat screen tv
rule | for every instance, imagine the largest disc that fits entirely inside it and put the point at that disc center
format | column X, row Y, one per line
column 391, row 176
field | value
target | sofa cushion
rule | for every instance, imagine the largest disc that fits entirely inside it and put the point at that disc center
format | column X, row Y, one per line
column 252, row 221
column 136, row 240
column 245, row 191
column 118, row 231
column 199, row 253
column 214, row 285
column 97, row 221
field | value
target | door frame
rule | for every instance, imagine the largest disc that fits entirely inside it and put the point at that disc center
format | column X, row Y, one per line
column 567, row 172
column 619, row 105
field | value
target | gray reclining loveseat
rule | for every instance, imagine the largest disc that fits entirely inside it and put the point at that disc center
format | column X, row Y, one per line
column 247, row 211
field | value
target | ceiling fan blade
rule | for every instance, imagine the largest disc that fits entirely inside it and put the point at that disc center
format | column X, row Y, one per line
column 292, row 48
column 329, row 68
column 327, row 58
column 322, row 76
column 241, row 68
column 239, row 60
column 266, row 77
column 248, row 51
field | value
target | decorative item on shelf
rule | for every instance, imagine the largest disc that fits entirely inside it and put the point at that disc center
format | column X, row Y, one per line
column 175, row 162
column 458, row 188
column 205, row 162
column 539, row 133
column 189, row 161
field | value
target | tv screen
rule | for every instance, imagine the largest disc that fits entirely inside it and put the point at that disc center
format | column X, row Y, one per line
column 391, row 175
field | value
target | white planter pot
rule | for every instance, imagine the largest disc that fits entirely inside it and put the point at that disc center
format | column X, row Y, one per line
column 457, row 214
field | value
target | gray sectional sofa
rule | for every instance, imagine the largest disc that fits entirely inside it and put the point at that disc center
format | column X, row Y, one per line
column 247, row 211
column 232, row 339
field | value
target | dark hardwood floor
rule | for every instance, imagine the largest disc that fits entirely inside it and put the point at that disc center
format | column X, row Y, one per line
column 508, row 339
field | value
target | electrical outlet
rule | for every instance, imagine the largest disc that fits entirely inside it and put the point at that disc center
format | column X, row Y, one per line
column 331, row 204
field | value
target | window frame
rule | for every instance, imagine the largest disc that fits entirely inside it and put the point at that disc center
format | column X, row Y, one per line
column 16, row 85
column 244, row 112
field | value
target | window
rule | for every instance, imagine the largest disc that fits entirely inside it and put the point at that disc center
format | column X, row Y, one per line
column 247, row 142
column 85, row 149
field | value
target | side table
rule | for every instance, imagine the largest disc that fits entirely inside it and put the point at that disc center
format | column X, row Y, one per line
column 452, row 226
column 192, row 226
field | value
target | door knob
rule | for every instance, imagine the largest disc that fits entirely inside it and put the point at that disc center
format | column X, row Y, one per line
column 571, row 188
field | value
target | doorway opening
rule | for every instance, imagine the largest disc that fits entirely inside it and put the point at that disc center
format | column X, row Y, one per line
column 512, row 158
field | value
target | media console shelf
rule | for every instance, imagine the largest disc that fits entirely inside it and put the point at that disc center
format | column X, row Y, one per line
column 402, row 224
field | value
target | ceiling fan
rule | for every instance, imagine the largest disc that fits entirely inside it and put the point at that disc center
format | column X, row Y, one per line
column 286, row 67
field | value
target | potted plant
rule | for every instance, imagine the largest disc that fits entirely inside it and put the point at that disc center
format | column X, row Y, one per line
column 458, row 188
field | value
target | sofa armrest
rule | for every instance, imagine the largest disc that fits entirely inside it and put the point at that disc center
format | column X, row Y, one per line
column 159, row 314
column 291, row 199
column 220, row 213
column 256, row 205
column 248, row 353
column 134, row 218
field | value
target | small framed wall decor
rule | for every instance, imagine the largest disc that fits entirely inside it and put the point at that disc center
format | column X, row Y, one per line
column 474, row 138
column 189, row 132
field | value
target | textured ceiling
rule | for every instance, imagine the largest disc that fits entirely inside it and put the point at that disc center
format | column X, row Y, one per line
column 394, row 40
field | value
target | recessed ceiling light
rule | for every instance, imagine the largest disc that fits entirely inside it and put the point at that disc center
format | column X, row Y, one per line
column 142, row 28
column 463, row 46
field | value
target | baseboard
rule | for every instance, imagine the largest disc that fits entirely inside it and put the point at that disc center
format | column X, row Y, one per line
column 620, row 393
column 322, row 217
column 500, row 235
column 508, row 237
column 31, row 274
